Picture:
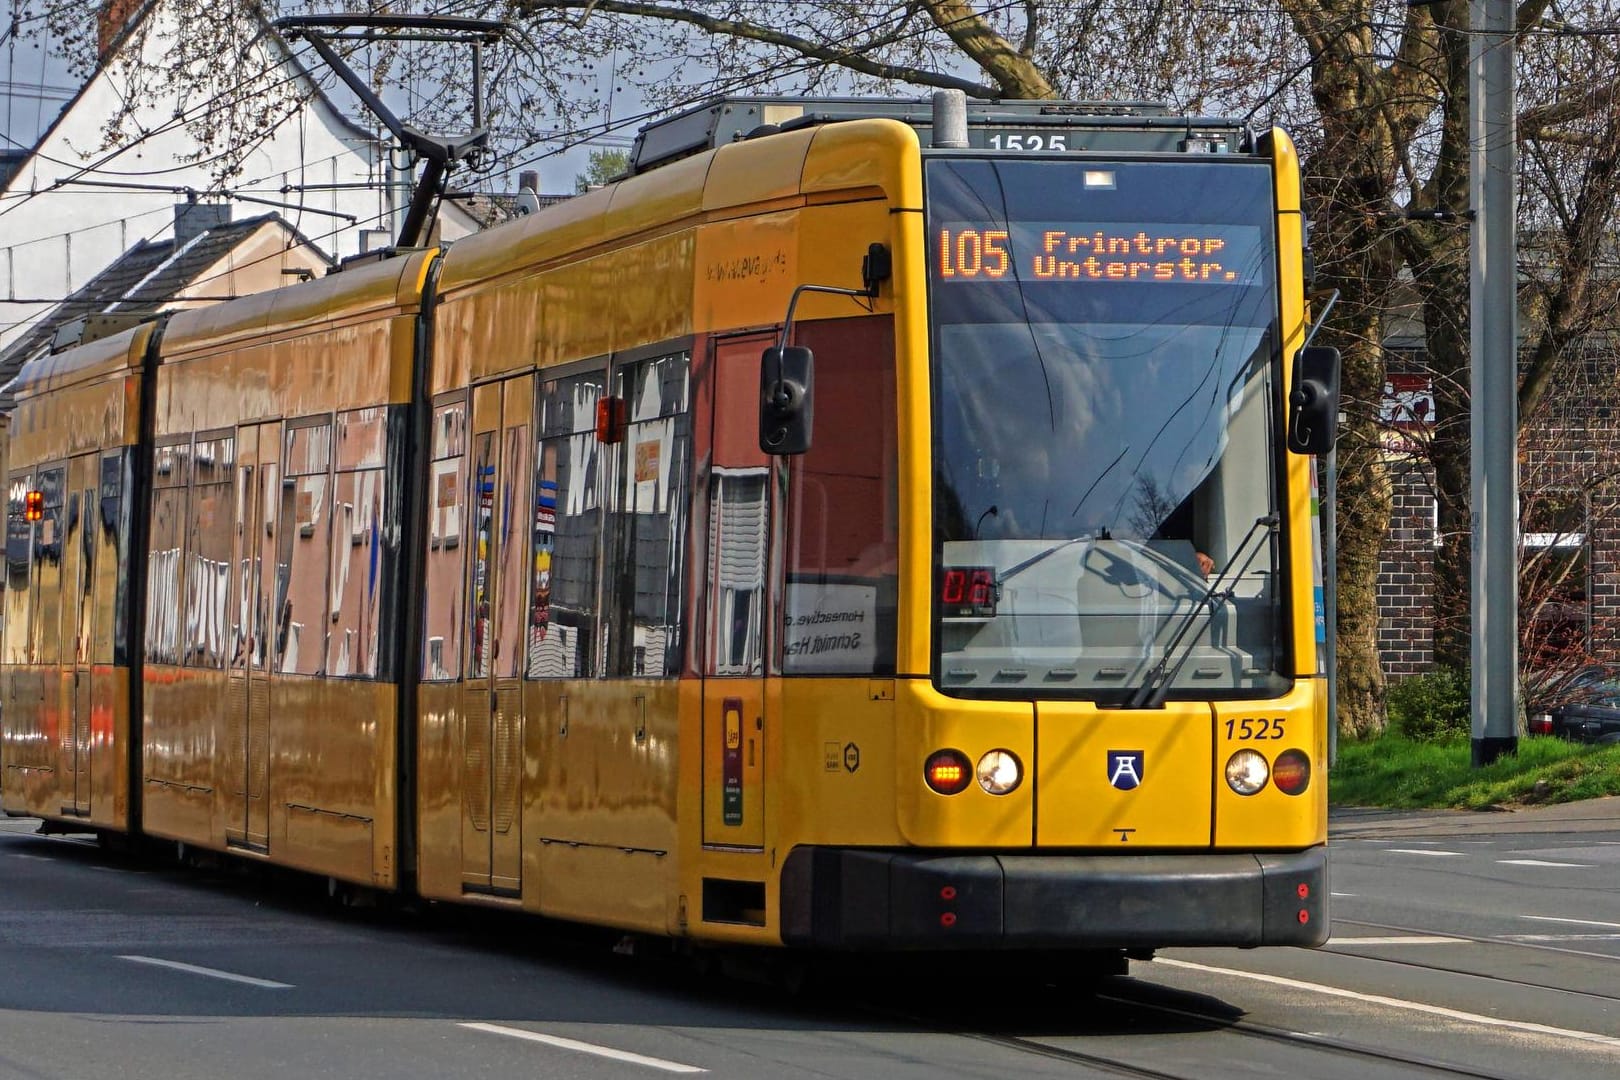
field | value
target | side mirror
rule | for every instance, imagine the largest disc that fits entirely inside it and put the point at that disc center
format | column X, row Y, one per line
column 786, row 381
column 1313, row 405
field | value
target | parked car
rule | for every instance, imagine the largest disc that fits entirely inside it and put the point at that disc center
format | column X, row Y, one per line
column 1588, row 712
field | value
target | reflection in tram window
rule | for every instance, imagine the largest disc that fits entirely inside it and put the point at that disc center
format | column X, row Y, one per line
column 481, row 639
column 208, row 552
column 563, row 623
column 739, row 504
column 512, row 523
column 647, row 537
column 112, row 561
column 442, row 626
column 170, row 474
column 47, row 584
column 305, row 536
column 19, row 552
column 356, row 577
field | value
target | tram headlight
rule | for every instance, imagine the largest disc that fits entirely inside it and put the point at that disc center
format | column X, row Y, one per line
column 1247, row 772
column 1000, row 772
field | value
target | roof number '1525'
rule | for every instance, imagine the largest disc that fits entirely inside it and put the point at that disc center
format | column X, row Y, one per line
column 999, row 140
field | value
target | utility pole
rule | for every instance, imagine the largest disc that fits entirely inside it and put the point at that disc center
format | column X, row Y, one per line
column 1493, row 333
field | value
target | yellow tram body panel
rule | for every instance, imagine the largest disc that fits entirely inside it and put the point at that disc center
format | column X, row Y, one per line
column 64, row 730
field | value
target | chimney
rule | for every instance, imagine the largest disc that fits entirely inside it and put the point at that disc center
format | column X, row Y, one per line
column 192, row 219
column 111, row 20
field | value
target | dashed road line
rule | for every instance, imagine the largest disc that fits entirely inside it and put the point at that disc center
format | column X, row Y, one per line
column 1410, row 939
column 585, row 1048
column 212, row 973
column 1544, row 862
column 1424, row 851
column 1575, row 922
column 1400, row 1003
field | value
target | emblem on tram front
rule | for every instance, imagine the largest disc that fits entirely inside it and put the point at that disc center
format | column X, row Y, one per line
column 1125, row 769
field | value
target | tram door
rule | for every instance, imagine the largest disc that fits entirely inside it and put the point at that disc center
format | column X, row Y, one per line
column 256, row 581
column 740, row 597
column 492, row 695
column 78, row 606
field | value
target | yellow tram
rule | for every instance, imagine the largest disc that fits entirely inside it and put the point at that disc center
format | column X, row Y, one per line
column 855, row 529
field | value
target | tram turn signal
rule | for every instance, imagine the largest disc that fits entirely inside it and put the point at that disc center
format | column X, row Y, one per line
column 947, row 772
column 34, row 506
column 1291, row 772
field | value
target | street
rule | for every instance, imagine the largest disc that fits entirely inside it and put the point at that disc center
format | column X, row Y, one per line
column 1482, row 945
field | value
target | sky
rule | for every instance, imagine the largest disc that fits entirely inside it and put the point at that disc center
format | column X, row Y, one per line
column 33, row 88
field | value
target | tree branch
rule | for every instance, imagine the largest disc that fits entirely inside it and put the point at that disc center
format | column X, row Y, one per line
column 844, row 57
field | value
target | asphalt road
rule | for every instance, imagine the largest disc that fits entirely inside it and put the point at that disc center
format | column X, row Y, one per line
column 1464, row 945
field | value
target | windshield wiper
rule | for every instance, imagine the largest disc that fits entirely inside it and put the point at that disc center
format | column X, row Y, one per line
column 1152, row 692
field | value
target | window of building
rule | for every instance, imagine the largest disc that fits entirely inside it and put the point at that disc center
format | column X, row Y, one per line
column 1555, row 577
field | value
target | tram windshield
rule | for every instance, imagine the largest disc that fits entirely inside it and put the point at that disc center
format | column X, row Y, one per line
column 1106, row 414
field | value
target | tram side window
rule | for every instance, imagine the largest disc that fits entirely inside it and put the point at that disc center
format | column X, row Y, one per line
column 171, row 470
column 442, row 628
column 19, row 554
column 515, row 519
column 357, row 577
column 647, row 531
column 843, row 535
column 563, row 625
column 111, row 642
column 208, row 551
column 47, row 584
column 306, row 522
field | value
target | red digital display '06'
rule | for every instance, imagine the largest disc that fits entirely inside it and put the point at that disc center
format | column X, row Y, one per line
column 968, row 592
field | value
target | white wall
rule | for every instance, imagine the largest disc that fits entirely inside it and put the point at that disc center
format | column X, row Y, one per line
column 53, row 241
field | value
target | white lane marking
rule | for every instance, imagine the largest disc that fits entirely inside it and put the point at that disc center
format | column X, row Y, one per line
column 1544, row 862
column 1576, row 922
column 1423, row 851
column 1342, row 895
column 213, row 973
column 1414, row 939
column 35, row 858
column 1400, row 1003
column 1563, row 937
column 586, row 1048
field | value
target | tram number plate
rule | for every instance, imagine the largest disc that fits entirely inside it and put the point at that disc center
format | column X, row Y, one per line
column 1030, row 142
column 1255, row 727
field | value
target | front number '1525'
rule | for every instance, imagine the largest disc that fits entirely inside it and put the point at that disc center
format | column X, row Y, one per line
column 1255, row 727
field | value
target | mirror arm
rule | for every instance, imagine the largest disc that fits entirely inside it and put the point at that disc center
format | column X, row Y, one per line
column 1333, row 298
column 857, row 295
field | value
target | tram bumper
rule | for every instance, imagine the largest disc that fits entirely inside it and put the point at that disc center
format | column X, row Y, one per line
column 844, row 898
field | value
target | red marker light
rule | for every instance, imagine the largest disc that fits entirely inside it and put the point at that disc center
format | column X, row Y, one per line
column 1304, row 916
column 1291, row 772
column 948, row 893
column 947, row 771
column 1304, row 891
column 611, row 413
column 948, row 919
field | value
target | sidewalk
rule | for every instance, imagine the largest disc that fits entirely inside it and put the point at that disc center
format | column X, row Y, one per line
column 1360, row 823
